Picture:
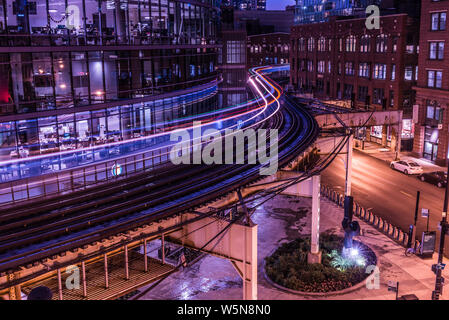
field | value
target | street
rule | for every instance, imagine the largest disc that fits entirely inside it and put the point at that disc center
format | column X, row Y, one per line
column 390, row 194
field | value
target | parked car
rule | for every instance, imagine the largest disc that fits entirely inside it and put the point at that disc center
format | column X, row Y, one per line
column 407, row 167
column 437, row 178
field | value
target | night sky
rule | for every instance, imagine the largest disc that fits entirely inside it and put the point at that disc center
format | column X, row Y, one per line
column 278, row 4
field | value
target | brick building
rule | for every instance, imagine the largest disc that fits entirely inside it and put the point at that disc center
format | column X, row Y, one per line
column 432, row 90
column 264, row 49
column 343, row 60
column 267, row 36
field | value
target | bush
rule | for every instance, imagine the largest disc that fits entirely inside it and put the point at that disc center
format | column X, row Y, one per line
column 288, row 266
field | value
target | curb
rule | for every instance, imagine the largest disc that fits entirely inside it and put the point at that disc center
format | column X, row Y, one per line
column 355, row 287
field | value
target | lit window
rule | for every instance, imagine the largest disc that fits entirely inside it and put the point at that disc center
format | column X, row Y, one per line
column 408, row 73
column 321, row 66
column 351, row 42
column 364, row 70
column 438, row 21
column 382, row 43
column 311, row 44
column 380, row 71
column 365, row 44
column 436, row 51
column 322, row 44
column 434, row 78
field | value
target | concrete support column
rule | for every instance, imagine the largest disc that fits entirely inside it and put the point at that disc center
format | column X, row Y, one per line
column 314, row 255
column 83, row 270
column 384, row 135
column 418, row 141
column 349, row 165
column 145, row 255
column 18, row 291
column 163, row 248
column 15, row 292
column 120, row 22
column 250, row 267
column 106, row 275
column 125, row 249
column 368, row 134
column 399, row 140
column 59, row 285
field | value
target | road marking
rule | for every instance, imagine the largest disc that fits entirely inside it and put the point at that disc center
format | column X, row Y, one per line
column 407, row 194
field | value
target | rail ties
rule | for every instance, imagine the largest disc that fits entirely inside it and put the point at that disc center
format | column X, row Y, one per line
column 65, row 223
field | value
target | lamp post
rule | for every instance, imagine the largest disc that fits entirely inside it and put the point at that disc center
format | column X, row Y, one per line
column 444, row 226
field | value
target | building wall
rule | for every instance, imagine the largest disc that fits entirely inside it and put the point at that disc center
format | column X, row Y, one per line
column 330, row 83
column 266, row 49
column 232, row 60
column 73, row 82
column 432, row 96
column 246, row 4
column 256, row 22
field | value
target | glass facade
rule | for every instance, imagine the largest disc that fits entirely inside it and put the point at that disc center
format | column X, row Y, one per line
column 37, row 81
column 107, row 22
column 71, row 131
column 311, row 11
column 246, row 4
column 79, row 73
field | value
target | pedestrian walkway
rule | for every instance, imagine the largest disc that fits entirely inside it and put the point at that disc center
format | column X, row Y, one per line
column 386, row 154
column 284, row 219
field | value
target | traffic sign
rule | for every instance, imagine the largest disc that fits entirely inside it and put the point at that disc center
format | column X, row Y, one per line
column 393, row 286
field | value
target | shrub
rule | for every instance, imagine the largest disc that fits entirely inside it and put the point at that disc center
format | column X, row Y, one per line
column 288, row 266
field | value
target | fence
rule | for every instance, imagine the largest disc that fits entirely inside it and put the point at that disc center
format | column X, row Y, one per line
column 369, row 217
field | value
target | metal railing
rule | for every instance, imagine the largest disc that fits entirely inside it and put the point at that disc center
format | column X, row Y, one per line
column 81, row 178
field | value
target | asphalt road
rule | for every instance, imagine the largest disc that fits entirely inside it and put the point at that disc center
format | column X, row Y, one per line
column 390, row 194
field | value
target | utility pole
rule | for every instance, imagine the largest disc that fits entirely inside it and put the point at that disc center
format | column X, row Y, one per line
column 444, row 226
column 349, row 164
column 347, row 224
column 413, row 238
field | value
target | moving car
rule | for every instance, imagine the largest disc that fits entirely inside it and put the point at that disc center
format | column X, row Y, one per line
column 437, row 178
column 407, row 167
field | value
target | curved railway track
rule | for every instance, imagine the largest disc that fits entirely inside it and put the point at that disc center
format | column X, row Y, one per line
column 41, row 229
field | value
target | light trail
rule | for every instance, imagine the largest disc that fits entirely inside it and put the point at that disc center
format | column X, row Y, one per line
column 172, row 129
column 195, row 143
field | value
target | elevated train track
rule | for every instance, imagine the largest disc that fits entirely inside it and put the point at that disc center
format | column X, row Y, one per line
column 37, row 230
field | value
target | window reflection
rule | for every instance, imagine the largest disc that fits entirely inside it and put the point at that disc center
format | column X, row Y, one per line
column 91, row 78
column 26, row 138
column 106, row 22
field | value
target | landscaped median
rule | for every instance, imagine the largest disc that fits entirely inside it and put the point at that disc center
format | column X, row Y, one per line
column 338, row 273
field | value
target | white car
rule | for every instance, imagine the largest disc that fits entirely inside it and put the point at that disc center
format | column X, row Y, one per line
column 407, row 167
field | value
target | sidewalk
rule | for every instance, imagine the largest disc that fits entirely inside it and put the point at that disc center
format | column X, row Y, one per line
column 384, row 153
column 281, row 220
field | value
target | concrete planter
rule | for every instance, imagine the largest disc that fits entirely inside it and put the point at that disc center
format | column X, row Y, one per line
column 321, row 294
